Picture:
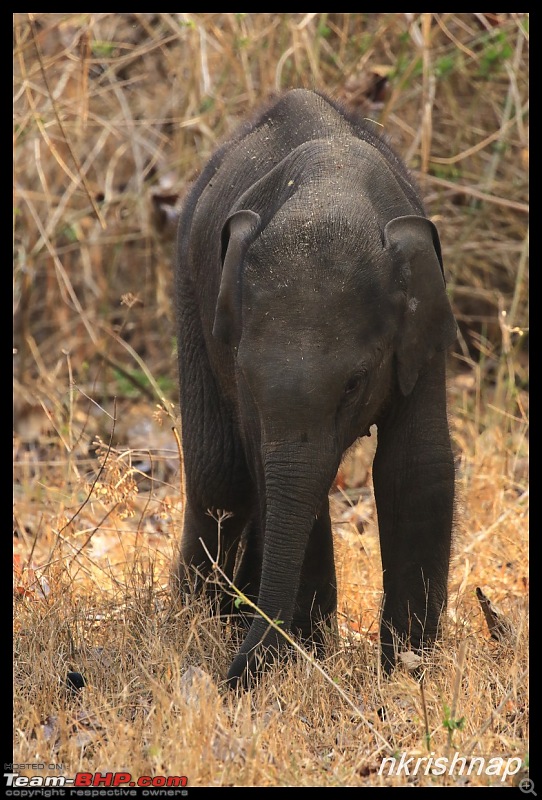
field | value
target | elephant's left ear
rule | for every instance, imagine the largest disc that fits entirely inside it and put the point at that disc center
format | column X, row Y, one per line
column 428, row 324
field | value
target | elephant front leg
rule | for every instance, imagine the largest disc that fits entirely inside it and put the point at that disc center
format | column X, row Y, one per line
column 317, row 595
column 248, row 570
column 414, row 489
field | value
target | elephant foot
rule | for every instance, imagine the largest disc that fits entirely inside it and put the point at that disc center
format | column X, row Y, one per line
column 316, row 623
column 316, row 634
column 410, row 637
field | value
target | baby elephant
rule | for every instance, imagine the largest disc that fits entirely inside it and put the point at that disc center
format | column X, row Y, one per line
column 311, row 304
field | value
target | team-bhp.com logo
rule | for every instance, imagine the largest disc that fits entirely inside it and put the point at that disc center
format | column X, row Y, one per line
column 95, row 779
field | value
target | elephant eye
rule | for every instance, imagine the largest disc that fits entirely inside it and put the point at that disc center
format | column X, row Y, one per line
column 353, row 385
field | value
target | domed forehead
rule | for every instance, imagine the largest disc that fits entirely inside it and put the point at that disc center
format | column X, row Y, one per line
column 333, row 246
column 316, row 300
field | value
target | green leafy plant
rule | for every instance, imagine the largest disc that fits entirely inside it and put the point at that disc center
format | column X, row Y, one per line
column 496, row 50
column 103, row 49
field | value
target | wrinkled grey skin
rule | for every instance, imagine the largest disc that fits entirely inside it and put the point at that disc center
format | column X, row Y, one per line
column 311, row 304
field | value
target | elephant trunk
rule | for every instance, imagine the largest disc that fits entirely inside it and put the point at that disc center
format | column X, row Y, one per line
column 297, row 480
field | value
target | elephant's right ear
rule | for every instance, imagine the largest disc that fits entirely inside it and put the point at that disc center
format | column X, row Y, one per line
column 238, row 233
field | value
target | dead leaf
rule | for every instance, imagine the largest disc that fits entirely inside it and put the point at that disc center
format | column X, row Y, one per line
column 499, row 626
column 410, row 660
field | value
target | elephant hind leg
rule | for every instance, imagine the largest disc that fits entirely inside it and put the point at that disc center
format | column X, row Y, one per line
column 206, row 539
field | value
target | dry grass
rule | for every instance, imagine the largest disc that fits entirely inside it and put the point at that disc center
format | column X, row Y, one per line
column 113, row 116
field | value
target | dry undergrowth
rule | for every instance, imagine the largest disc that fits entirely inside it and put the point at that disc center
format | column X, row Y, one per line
column 92, row 595
column 114, row 113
